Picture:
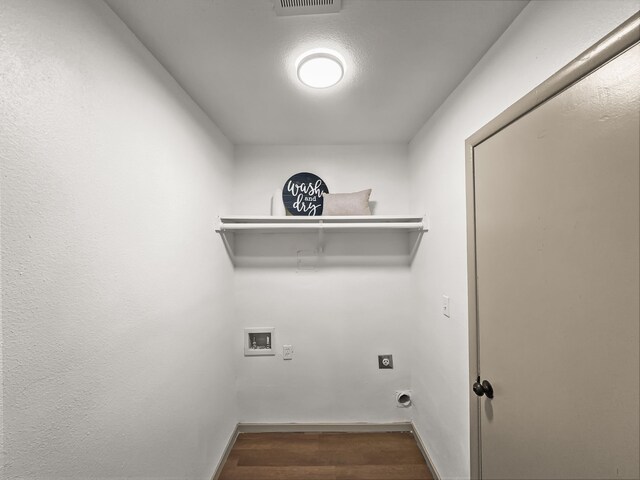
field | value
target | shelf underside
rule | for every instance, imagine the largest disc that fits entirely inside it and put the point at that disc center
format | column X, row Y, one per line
column 267, row 224
column 309, row 243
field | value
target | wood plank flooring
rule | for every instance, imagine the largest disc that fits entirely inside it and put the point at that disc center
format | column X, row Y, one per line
column 325, row 456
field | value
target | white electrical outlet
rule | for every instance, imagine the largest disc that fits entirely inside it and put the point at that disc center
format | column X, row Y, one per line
column 287, row 352
column 446, row 311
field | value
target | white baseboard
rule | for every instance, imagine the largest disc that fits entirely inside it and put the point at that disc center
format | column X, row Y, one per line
column 324, row 427
column 425, row 453
column 225, row 455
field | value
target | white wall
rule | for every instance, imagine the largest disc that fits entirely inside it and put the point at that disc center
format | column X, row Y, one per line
column 1, row 356
column 545, row 37
column 116, row 291
column 338, row 318
column 259, row 170
column 120, row 338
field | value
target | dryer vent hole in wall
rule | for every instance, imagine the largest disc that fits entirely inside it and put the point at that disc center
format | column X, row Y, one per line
column 403, row 398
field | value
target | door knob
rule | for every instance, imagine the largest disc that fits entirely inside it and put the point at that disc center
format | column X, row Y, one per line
column 483, row 388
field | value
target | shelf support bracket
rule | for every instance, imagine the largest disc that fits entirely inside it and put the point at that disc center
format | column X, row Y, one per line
column 228, row 243
column 321, row 237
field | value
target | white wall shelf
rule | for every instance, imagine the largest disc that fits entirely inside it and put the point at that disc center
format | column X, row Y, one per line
column 267, row 223
column 265, row 240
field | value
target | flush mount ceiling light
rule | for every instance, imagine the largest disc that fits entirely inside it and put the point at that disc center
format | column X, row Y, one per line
column 320, row 68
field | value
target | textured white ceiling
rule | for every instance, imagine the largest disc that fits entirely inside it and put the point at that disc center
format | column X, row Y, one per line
column 236, row 60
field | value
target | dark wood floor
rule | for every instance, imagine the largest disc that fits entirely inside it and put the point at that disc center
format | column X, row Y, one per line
column 325, row 456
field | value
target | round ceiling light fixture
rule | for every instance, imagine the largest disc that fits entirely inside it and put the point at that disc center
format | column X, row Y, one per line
column 320, row 68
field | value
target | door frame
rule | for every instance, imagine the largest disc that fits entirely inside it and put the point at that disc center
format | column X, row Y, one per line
column 619, row 40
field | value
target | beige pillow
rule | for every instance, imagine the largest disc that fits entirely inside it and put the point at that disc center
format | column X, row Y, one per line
column 356, row 203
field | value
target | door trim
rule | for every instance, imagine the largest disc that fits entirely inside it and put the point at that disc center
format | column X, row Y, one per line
column 615, row 43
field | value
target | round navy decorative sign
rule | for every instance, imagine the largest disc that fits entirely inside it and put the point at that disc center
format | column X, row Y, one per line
column 302, row 194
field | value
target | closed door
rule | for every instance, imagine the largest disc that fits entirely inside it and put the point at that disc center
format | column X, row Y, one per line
column 557, row 209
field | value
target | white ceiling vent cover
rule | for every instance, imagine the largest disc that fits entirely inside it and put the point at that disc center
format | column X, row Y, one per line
column 306, row 7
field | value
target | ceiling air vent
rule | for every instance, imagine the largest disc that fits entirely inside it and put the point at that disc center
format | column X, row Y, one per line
column 306, row 7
